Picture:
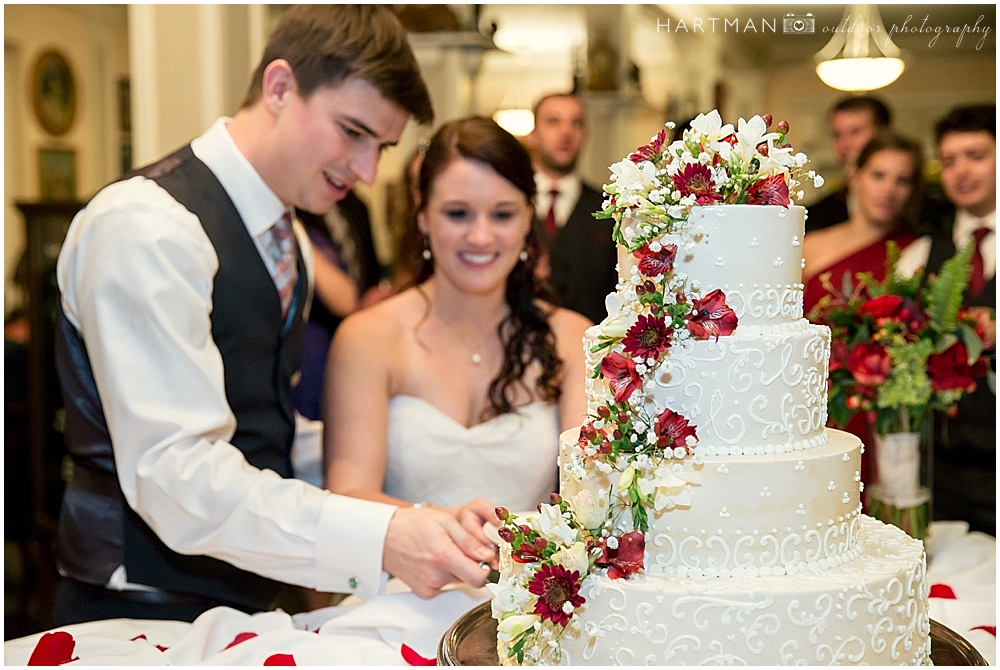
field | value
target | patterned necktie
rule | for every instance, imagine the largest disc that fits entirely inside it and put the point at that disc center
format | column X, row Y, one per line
column 550, row 218
column 281, row 248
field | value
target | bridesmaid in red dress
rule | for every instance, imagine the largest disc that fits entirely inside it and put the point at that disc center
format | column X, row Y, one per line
column 884, row 193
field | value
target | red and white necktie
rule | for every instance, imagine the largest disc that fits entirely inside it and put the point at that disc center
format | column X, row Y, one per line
column 281, row 248
column 977, row 280
column 550, row 218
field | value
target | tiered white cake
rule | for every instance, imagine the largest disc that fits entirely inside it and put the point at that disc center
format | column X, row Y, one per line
column 758, row 553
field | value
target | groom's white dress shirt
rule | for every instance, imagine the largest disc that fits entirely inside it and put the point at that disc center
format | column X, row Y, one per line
column 146, row 321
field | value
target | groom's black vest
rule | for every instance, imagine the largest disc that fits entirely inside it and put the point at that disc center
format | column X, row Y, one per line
column 98, row 531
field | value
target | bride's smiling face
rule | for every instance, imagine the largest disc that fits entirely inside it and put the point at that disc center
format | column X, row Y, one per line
column 477, row 222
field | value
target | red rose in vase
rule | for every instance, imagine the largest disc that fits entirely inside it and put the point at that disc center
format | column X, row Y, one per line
column 869, row 364
column 951, row 370
column 884, row 306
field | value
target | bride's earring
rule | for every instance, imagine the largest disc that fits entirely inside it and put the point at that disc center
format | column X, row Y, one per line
column 427, row 248
column 523, row 256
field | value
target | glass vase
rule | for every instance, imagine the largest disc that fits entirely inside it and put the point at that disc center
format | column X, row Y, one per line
column 902, row 496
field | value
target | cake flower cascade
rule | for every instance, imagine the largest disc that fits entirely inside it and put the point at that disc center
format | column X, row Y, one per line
column 656, row 309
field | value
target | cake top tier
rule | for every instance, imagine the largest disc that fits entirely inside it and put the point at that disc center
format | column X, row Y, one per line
column 653, row 191
column 752, row 253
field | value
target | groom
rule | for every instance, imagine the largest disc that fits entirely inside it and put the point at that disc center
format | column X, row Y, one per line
column 179, row 331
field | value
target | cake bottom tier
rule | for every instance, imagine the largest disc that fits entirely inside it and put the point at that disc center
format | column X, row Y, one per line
column 870, row 610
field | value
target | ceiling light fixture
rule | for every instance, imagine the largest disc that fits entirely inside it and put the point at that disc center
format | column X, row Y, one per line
column 860, row 56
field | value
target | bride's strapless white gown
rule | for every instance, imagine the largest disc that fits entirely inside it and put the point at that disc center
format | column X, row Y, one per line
column 510, row 459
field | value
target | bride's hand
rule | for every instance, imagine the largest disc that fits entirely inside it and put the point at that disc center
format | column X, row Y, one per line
column 472, row 516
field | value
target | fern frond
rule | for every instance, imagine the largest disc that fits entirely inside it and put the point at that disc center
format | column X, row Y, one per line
column 944, row 295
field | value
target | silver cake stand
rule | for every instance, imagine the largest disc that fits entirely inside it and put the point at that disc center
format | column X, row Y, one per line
column 472, row 640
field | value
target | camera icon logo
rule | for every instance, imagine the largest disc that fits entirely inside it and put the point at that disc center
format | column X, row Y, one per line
column 799, row 25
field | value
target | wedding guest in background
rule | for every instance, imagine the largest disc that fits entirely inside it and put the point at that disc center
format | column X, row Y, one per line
column 409, row 240
column 854, row 121
column 582, row 257
column 965, row 444
column 885, row 187
column 345, row 267
column 457, row 388
column 179, row 329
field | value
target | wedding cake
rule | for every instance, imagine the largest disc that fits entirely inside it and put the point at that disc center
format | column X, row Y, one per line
column 706, row 514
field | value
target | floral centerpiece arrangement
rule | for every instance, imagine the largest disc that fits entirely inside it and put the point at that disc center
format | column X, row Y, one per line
column 656, row 309
column 900, row 348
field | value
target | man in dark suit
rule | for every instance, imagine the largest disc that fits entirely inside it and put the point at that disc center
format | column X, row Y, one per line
column 582, row 256
column 965, row 445
column 853, row 122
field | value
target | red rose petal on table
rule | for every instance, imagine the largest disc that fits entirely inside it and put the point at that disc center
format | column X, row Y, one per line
column 942, row 591
column 53, row 649
column 142, row 636
column 413, row 658
column 280, row 659
column 242, row 637
column 992, row 630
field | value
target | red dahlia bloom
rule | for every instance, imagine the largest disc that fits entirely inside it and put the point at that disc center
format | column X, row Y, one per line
column 653, row 263
column 869, row 364
column 621, row 375
column 711, row 317
column 647, row 338
column 882, row 306
column 696, row 179
column 951, row 370
column 555, row 586
column 770, row 191
column 652, row 149
column 672, row 430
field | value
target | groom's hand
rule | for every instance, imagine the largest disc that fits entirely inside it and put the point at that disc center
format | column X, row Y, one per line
column 428, row 548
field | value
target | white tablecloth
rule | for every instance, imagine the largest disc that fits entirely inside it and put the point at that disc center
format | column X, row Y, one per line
column 387, row 629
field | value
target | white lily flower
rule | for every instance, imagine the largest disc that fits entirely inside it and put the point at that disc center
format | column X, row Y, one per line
column 552, row 524
column 514, row 625
column 710, row 126
column 635, row 178
column 750, row 134
column 508, row 597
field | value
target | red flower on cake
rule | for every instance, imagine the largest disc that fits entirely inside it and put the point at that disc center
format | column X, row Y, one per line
column 621, row 375
column 653, row 263
column 626, row 557
column 869, row 364
column 882, row 306
column 951, row 370
column 770, row 191
column 711, row 317
column 650, row 150
column 647, row 338
column 672, row 430
column 696, row 179
column 558, row 592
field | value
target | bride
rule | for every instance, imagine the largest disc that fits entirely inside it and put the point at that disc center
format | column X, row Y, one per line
column 456, row 389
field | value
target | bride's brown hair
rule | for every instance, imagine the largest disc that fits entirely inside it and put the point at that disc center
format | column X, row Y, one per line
column 525, row 332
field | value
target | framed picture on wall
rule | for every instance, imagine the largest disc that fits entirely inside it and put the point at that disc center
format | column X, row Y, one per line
column 53, row 93
column 57, row 174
